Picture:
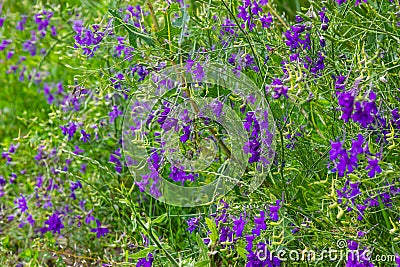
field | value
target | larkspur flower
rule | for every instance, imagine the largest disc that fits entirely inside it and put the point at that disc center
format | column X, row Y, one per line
column 21, row 203
column 278, row 87
column 100, row 231
column 364, row 113
column 373, row 167
column 193, row 223
column 324, row 19
column 54, row 224
column 346, row 102
column 145, row 262
column 273, row 211
column 239, row 224
column 259, row 224
column 114, row 114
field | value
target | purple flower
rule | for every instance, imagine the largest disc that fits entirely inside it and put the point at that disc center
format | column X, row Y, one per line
column 89, row 217
column 70, row 129
column 4, row 44
column 238, row 225
column 101, row 231
column 192, row 224
column 364, row 113
column 85, row 137
column 78, row 150
column 54, row 224
column 279, row 88
column 114, row 114
column 273, row 211
column 259, row 224
column 21, row 23
column 144, row 262
column 324, row 19
column 373, row 167
column 356, row 145
column 30, row 220
column 189, row 65
column 115, row 158
column 186, row 134
column 346, row 102
column 179, row 175
column 217, row 107
column 348, row 163
column 359, row 1
column 266, row 21
column 21, row 203
column 199, row 72
column 255, row 8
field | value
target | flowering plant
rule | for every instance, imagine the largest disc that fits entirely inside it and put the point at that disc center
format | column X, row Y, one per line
column 199, row 133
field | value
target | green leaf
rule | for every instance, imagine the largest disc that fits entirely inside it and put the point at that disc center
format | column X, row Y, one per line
column 202, row 263
column 213, row 228
column 133, row 33
column 169, row 31
column 242, row 252
column 202, row 247
column 143, row 253
column 160, row 219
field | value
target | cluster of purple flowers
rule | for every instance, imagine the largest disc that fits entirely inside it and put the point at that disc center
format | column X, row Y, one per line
column 356, row 256
column 196, row 69
column 252, row 146
column 179, row 175
column 241, row 62
column 295, row 38
column 346, row 161
column 363, row 112
column 88, row 39
column 278, row 87
column 42, row 19
column 250, row 11
column 154, row 163
column 232, row 228
column 7, row 154
column 350, row 197
column 141, row 71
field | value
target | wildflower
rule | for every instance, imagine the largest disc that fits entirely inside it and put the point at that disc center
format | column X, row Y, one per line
column 346, row 102
column 364, row 113
column 101, row 231
column 273, row 211
column 279, row 88
column 114, row 114
column 324, row 19
column 54, row 224
column 21, row 203
column 238, row 225
column 192, row 224
column 21, row 24
column 259, row 224
column 186, row 134
column 373, row 167
column 145, row 262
